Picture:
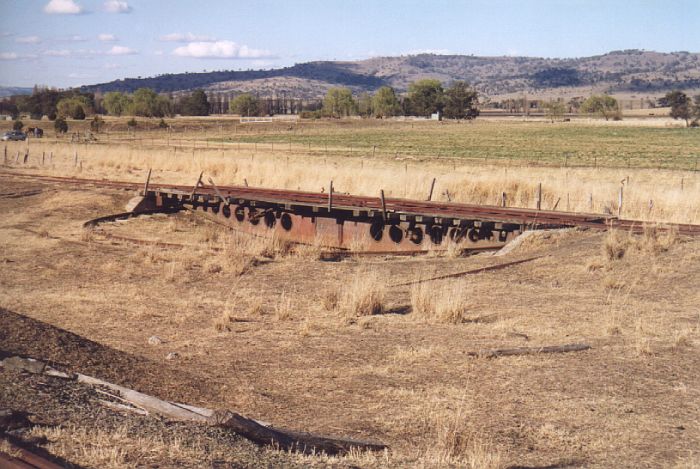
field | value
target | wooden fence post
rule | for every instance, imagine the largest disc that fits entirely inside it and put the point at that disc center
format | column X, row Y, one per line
column 381, row 193
column 503, row 199
column 539, row 196
column 432, row 186
column 330, row 196
column 619, row 201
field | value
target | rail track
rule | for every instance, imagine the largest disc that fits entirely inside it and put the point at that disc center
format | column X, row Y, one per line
column 358, row 223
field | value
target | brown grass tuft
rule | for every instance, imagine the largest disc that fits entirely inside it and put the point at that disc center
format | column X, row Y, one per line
column 223, row 322
column 365, row 295
column 615, row 245
column 440, row 304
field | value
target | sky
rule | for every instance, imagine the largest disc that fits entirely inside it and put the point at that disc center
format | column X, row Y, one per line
column 66, row 43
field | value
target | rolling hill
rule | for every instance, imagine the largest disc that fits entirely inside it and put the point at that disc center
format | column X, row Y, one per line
column 626, row 72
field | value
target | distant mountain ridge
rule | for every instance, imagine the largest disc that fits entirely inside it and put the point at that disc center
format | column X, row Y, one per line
column 617, row 72
column 13, row 91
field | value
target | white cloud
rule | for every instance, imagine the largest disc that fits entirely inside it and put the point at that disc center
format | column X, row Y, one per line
column 77, row 38
column 116, row 6
column 187, row 37
column 110, row 66
column 158, row 52
column 16, row 56
column 219, row 50
column 58, row 53
column 63, row 7
column 28, row 39
column 428, row 51
column 121, row 50
column 104, row 37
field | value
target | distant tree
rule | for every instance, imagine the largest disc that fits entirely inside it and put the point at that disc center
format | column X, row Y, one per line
column 74, row 107
column 364, row 104
column 554, row 109
column 339, row 102
column 696, row 109
column 426, row 97
column 196, row 104
column 116, row 103
column 245, row 105
column 17, row 125
column 60, row 125
column 385, row 103
column 9, row 107
column 144, row 103
column 681, row 106
column 460, row 101
column 603, row 105
column 96, row 124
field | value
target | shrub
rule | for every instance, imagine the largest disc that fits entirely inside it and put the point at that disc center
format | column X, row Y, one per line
column 17, row 125
column 60, row 125
column 132, row 123
column 96, row 124
column 162, row 124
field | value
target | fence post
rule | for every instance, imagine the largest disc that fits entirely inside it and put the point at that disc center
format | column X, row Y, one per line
column 330, row 196
column 432, row 186
column 619, row 201
column 503, row 199
column 374, row 149
column 539, row 196
column 381, row 193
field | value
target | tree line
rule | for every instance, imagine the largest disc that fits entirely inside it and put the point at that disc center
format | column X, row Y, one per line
column 424, row 98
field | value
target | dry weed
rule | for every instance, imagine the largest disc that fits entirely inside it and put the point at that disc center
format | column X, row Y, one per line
column 615, row 245
column 440, row 304
column 283, row 311
column 223, row 322
column 456, row 443
column 365, row 295
column 330, row 299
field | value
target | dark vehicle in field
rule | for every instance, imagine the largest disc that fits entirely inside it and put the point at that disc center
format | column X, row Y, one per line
column 14, row 135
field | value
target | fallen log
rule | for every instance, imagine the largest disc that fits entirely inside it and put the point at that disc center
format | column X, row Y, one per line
column 258, row 432
column 503, row 352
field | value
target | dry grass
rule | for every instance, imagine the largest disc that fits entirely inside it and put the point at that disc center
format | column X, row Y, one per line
column 122, row 447
column 444, row 302
column 584, row 189
column 455, row 442
column 365, row 295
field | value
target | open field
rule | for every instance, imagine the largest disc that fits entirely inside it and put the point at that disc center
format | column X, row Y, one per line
column 643, row 143
column 363, row 347
column 282, row 337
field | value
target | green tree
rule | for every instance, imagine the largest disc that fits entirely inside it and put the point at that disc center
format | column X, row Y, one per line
column 196, row 104
column 364, row 104
column 554, row 109
column 339, row 102
column 74, row 107
column 144, row 103
column 385, row 103
column 17, row 125
column 426, row 97
column 60, row 125
column 245, row 105
column 681, row 106
column 603, row 105
column 460, row 101
column 696, row 109
column 116, row 103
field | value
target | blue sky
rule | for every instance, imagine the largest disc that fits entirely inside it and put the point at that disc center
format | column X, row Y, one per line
column 72, row 42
